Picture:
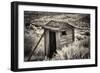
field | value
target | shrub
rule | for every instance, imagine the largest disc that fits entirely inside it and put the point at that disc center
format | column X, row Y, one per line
column 76, row 50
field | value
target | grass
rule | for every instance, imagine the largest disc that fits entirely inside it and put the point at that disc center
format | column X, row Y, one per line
column 79, row 49
column 31, row 37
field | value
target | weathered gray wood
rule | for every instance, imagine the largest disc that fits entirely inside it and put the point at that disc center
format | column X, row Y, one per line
column 58, row 40
column 46, row 38
column 57, row 27
column 51, row 28
column 73, row 36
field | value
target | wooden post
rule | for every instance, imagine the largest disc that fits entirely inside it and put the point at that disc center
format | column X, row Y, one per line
column 73, row 36
column 58, row 40
column 46, row 39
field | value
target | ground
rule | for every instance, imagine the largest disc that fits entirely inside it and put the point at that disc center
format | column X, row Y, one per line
column 79, row 49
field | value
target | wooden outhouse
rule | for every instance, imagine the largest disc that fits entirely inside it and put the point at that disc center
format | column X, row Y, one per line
column 57, row 33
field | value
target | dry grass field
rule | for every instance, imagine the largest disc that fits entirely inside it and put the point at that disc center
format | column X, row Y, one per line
column 79, row 49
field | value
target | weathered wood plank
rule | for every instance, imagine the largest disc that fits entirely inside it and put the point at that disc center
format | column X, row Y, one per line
column 58, row 40
column 73, row 36
column 46, row 38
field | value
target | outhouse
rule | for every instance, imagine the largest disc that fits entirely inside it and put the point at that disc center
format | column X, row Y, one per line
column 57, row 33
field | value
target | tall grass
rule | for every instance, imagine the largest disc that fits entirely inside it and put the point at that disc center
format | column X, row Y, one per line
column 76, row 50
column 79, row 49
column 31, row 37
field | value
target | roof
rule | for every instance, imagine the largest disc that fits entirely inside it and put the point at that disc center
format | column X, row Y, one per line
column 57, row 25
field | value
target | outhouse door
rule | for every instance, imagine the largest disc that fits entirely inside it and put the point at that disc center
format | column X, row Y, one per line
column 52, row 43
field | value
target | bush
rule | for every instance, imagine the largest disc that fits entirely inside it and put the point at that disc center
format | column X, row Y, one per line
column 76, row 50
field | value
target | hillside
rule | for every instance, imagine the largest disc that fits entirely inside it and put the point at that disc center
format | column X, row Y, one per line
column 79, row 49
